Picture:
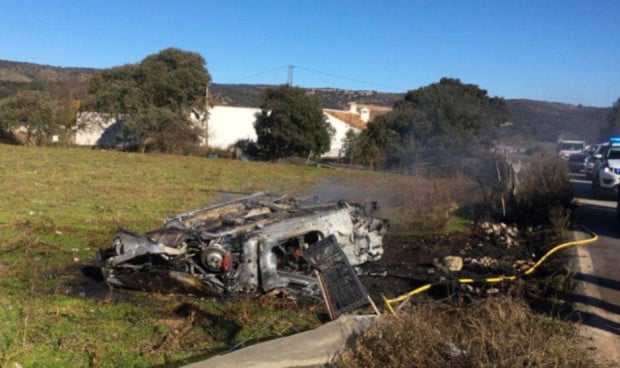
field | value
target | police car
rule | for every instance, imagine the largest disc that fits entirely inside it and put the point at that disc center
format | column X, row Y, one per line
column 607, row 176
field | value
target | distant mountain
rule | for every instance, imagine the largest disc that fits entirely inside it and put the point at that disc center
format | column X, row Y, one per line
column 12, row 71
column 531, row 120
column 550, row 121
column 332, row 98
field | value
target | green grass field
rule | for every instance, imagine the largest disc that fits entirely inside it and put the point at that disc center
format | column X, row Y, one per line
column 58, row 206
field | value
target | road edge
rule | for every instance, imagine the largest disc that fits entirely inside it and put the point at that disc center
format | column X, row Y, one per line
column 597, row 339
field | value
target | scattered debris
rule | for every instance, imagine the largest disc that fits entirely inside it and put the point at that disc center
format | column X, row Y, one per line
column 342, row 290
column 252, row 244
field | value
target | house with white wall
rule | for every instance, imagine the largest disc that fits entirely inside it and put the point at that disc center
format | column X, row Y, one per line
column 96, row 129
column 229, row 124
column 226, row 125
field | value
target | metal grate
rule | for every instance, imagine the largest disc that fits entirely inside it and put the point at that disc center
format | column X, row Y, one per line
column 342, row 290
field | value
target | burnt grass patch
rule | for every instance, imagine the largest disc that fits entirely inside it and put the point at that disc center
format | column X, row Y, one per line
column 412, row 261
column 409, row 262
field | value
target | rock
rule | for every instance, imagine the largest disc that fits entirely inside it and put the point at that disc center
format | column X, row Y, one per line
column 518, row 263
column 487, row 261
column 453, row 263
column 512, row 231
column 492, row 291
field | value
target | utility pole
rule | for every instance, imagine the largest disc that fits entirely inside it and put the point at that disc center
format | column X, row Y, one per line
column 289, row 81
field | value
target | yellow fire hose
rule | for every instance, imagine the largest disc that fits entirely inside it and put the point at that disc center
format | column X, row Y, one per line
column 529, row 271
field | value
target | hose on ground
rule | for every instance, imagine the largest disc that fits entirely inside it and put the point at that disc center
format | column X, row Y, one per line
column 390, row 302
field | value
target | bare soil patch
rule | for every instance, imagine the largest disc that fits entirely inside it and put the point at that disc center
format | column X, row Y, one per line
column 410, row 262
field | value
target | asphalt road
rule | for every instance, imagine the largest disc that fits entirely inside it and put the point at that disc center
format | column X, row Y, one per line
column 598, row 293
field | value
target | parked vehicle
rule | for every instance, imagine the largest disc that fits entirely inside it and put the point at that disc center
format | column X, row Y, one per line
column 618, row 205
column 567, row 147
column 577, row 161
column 588, row 168
column 606, row 174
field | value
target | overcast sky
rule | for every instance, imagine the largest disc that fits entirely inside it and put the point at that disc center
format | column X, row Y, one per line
column 560, row 51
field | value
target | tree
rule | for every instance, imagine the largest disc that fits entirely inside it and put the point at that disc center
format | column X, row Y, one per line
column 158, row 129
column 436, row 122
column 156, row 98
column 116, row 90
column 175, row 79
column 291, row 123
column 31, row 110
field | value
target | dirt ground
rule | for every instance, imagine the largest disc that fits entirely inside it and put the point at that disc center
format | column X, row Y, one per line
column 410, row 262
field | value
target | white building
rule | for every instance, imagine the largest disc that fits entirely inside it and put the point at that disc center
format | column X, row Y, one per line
column 96, row 129
column 226, row 126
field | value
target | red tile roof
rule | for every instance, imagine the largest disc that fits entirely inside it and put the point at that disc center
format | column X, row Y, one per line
column 348, row 117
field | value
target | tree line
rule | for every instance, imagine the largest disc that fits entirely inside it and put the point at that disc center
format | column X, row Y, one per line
column 161, row 101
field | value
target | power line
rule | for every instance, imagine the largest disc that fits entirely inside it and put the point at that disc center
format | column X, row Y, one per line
column 350, row 79
column 331, row 75
column 260, row 73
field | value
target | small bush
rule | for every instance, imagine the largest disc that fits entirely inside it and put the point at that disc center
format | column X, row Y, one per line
column 498, row 332
column 544, row 194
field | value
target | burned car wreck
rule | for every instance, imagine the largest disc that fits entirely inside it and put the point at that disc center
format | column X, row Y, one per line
column 255, row 244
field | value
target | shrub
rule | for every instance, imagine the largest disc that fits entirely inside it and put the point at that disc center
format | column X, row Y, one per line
column 544, row 193
column 498, row 332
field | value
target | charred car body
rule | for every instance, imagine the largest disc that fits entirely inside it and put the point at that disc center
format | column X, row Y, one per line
column 252, row 244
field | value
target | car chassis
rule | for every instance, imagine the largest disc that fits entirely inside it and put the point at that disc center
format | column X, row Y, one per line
column 254, row 244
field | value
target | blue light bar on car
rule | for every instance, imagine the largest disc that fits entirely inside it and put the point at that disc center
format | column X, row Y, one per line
column 614, row 139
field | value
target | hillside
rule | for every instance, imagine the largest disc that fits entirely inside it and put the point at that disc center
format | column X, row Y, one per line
column 549, row 121
column 531, row 120
column 12, row 71
column 332, row 98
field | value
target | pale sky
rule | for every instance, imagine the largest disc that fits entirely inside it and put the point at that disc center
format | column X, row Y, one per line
column 559, row 51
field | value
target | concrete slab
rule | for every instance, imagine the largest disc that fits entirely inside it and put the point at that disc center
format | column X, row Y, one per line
column 310, row 348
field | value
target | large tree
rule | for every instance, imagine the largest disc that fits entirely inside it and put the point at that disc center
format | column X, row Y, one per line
column 32, row 111
column 435, row 123
column 291, row 123
column 155, row 98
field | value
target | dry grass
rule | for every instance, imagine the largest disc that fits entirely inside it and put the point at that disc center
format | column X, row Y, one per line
column 427, row 205
column 545, row 193
column 498, row 332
